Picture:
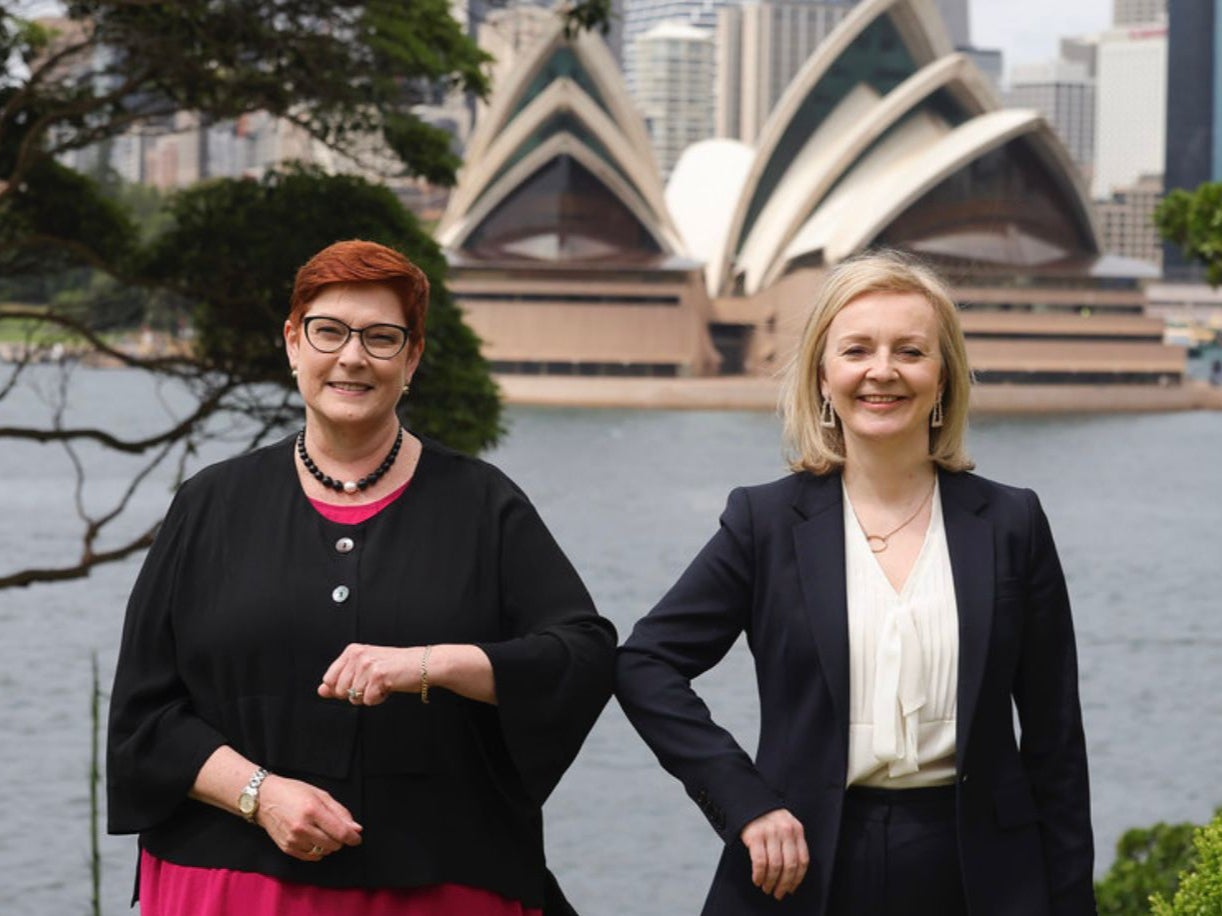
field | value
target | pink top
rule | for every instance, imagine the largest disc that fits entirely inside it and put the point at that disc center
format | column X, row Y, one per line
column 167, row 889
column 354, row 515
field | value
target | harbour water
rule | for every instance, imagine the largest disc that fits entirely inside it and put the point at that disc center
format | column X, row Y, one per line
column 1135, row 502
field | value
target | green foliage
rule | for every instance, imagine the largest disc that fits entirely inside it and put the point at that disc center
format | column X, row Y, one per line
column 57, row 218
column 1148, row 861
column 234, row 250
column 1200, row 888
column 347, row 72
column 1193, row 220
column 590, row 14
column 338, row 68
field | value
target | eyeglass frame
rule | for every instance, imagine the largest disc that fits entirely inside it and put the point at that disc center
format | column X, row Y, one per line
column 359, row 332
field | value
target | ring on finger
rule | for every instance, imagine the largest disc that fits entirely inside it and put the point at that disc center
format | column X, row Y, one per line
column 316, row 850
column 354, row 694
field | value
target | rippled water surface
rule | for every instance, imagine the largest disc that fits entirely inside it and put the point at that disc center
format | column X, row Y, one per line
column 1135, row 503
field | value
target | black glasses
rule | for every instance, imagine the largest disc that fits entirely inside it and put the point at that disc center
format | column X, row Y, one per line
column 329, row 335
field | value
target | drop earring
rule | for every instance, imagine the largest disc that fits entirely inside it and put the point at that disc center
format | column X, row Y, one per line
column 827, row 414
column 937, row 417
column 294, row 372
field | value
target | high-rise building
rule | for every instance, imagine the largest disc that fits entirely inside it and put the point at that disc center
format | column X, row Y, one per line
column 760, row 47
column 1082, row 50
column 957, row 18
column 989, row 61
column 1064, row 93
column 642, row 15
column 675, row 62
column 1126, row 220
column 1138, row 12
column 1130, row 107
column 1194, row 94
column 1194, row 105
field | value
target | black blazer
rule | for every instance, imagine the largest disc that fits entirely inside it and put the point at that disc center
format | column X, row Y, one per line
column 235, row 618
column 776, row 571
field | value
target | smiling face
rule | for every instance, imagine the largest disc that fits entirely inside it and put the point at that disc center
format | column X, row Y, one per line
column 882, row 370
column 349, row 390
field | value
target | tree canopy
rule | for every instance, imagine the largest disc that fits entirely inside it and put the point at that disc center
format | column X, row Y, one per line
column 1193, row 220
column 351, row 75
column 239, row 276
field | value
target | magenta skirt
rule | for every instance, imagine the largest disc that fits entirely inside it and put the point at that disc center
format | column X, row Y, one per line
column 167, row 889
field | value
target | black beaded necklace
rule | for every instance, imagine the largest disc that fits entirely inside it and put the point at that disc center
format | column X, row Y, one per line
column 348, row 486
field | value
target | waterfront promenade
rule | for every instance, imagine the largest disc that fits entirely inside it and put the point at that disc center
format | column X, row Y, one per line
column 760, row 393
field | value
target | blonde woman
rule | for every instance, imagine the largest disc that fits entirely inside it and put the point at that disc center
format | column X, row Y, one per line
column 898, row 609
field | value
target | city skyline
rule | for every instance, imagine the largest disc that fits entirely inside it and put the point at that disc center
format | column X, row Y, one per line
column 1030, row 33
column 1026, row 33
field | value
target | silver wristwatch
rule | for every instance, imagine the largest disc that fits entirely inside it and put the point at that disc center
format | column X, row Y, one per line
column 248, row 799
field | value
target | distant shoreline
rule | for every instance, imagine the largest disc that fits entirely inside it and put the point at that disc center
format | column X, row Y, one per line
column 757, row 393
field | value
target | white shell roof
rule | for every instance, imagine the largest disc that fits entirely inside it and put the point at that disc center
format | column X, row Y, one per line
column 703, row 187
column 616, row 147
column 869, row 157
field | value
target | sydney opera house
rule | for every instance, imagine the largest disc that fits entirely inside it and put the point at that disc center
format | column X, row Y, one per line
column 570, row 257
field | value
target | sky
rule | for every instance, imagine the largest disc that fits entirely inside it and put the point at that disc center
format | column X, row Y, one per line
column 1028, row 31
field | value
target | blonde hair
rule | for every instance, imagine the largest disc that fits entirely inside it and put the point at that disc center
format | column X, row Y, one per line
column 820, row 449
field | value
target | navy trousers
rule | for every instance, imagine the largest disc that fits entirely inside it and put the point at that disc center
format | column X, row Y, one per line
column 898, row 854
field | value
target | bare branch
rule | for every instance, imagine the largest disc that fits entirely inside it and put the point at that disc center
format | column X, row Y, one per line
column 273, row 417
column 29, row 576
column 172, row 365
column 19, row 365
column 206, row 408
column 96, row 526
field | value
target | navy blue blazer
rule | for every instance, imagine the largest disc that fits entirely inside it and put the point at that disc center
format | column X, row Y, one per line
column 775, row 570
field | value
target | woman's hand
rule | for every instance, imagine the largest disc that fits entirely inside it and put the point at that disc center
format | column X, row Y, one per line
column 367, row 675
column 304, row 821
column 779, row 857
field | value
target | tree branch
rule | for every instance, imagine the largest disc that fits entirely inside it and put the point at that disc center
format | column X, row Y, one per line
column 88, row 561
column 170, row 365
column 29, row 148
column 36, row 75
column 206, row 408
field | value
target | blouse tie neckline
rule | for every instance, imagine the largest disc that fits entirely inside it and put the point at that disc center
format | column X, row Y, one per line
column 899, row 690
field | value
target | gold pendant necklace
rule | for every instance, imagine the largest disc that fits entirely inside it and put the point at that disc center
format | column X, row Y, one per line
column 878, row 542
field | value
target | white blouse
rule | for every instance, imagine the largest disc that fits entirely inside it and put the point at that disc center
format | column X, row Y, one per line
column 903, row 662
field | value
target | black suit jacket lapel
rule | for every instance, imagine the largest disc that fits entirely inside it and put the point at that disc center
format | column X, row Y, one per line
column 969, row 539
column 819, row 550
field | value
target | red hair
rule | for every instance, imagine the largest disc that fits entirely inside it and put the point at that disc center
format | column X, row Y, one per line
column 357, row 261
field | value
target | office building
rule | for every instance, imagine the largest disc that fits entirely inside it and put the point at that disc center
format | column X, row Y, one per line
column 642, row 15
column 1065, row 94
column 1138, row 12
column 675, row 63
column 1194, row 107
column 1130, row 107
column 760, row 46
column 1126, row 221
column 956, row 16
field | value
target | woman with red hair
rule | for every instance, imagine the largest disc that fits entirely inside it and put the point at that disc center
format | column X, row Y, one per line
column 355, row 662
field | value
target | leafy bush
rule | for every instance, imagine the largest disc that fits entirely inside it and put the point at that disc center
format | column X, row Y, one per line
column 1148, row 862
column 1200, row 888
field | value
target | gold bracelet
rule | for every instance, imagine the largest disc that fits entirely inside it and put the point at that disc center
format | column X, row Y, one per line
column 424, row 674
